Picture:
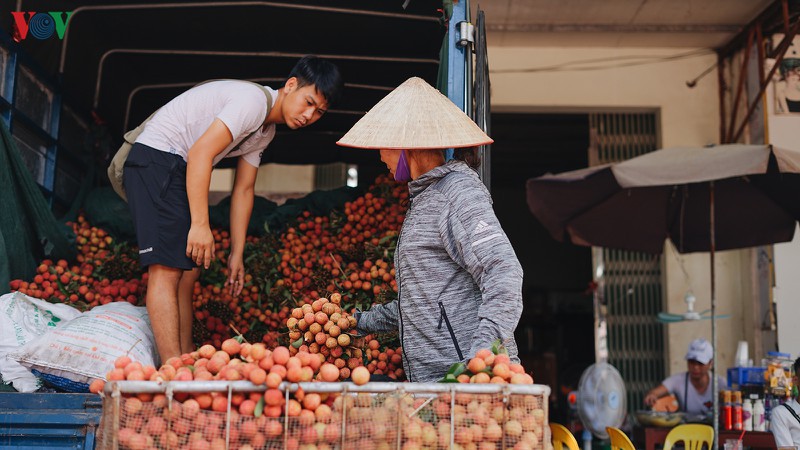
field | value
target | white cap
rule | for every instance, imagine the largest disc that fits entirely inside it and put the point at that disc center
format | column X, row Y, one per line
column 700, row 350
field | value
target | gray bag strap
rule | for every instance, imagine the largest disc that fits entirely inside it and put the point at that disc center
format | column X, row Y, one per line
column 269, row 107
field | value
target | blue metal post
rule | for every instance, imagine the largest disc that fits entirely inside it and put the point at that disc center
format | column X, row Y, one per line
column 457, row 55
column 52, row 150
column 8, row 87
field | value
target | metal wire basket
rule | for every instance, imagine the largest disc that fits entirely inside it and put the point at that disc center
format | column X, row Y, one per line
column 375, row 416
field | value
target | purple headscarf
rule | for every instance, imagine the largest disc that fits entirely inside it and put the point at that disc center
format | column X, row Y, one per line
column 402, row 172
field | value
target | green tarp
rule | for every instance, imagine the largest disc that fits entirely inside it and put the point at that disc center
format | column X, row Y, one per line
column 29, row 233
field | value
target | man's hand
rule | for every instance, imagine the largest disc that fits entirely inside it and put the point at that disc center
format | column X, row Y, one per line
column 236, row 277
column 200, row 245
column 650, row 399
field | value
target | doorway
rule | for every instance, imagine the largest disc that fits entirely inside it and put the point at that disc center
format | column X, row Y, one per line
column 556, row 331
column 555, row 334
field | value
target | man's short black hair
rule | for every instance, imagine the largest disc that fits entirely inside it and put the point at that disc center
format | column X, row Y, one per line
column 323, row 74
column 797, row 367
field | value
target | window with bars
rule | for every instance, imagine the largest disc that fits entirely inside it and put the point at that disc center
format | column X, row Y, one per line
column 630, row 283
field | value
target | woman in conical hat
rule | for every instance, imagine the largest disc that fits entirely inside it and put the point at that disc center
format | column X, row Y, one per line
column 459, row 281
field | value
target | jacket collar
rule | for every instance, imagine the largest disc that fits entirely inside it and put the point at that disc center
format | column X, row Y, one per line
column 416, row 187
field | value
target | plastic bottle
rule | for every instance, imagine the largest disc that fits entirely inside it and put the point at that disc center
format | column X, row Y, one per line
column 770, row 403
column 737, row 410
column 758, row 416
column 747, row 414
column 727, row 411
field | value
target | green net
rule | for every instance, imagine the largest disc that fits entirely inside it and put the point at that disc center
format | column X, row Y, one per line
column 105, row 209
column 219, row 215
column 269, row 217
column 318, row 203
column 29, row 232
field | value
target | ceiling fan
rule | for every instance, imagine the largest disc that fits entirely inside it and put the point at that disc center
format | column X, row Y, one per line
column 690, row 313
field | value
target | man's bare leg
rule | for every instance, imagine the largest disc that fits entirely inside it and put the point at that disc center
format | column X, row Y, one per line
column 162, row 307
column 185, row 310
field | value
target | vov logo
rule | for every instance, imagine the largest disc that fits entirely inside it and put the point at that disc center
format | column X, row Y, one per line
column 40, row 25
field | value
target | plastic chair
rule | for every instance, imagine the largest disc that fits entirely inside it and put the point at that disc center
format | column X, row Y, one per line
column 561, row 437
column 693, row 435
column 619, row 440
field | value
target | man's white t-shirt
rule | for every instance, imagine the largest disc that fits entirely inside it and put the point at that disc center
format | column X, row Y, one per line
column 784, row 426
column 692, row 402
column 241, row 106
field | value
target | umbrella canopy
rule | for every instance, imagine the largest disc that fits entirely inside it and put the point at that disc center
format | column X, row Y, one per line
column 638, row 203
column 702, row 199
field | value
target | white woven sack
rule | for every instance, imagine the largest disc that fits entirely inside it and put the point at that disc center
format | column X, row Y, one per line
column 22, row 319
column 85, row 347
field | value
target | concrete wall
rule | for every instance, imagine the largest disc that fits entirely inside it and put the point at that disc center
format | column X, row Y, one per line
column 688, row 117
column 782, row 132
column 281, row 178
column 272, row 179
column 787, row 297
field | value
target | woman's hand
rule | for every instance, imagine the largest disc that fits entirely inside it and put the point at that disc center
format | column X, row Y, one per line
column 650, row 399
column 200, row 245
column 236, row 271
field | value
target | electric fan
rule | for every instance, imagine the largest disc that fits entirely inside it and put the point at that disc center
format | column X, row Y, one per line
column 601, row 399
column 690, row 313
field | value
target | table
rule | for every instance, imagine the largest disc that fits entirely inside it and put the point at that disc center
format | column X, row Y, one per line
column 652, row 436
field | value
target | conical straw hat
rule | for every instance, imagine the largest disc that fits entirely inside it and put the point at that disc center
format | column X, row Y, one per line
column 414, row 116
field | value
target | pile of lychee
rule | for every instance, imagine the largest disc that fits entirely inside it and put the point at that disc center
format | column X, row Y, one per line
column 489, row 366
column 234, row 362
column 322, row 328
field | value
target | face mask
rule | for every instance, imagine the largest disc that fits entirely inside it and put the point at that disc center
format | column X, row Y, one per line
column 402, row 173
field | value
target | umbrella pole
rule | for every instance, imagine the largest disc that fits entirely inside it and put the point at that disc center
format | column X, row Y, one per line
column 712, row 248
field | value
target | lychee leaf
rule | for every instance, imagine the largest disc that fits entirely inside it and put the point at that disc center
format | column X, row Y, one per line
column 457, row 369
column 449, row 378
column 259, row 407
column 497, row 345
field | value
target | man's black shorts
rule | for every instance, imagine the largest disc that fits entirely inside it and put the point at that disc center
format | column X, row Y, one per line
column 155, row 183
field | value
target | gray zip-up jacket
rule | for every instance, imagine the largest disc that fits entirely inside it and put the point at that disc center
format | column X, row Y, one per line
column 460, row 283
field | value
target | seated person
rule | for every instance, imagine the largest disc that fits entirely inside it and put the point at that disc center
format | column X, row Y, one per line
column 785, row 419
column 693, row 387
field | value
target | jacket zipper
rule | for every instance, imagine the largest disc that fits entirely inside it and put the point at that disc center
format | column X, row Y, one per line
column 399, row 310
column 443, row 316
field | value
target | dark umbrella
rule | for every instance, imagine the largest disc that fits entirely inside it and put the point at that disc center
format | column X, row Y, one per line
column 702, row 199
